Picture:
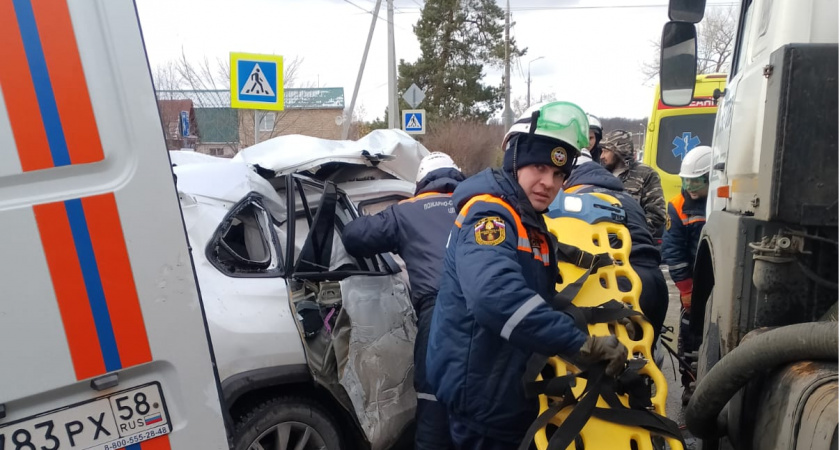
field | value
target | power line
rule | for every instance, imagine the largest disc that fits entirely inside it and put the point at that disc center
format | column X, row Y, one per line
column 378, row 17
column 562, row 7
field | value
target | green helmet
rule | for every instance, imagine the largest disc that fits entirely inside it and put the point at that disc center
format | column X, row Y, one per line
column 562, row 121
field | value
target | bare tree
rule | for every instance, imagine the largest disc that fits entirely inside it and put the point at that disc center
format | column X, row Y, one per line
column 165, row 77
column 520, row 104
column 716, row 41
column 715, row 44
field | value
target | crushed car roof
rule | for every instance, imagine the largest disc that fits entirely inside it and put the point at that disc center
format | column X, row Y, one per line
column 392, row 151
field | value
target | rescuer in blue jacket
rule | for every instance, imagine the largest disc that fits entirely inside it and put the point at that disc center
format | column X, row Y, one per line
column 684, row 222
column 416, row 229
column 491, row 313
column 590, row 176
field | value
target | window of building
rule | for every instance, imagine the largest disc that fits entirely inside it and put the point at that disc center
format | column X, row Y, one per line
column 267, row 120
column 217, row 151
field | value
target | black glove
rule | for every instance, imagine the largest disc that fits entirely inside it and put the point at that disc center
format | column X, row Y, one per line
column 629, row 326
column 605, row 348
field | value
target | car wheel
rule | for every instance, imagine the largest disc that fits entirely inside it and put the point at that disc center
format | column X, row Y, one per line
column 287, row 423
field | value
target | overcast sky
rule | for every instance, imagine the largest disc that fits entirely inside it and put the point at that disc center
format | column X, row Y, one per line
column 592, row 49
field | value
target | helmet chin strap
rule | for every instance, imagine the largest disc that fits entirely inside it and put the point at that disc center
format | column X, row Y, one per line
column 515, row 153
column 534, row 116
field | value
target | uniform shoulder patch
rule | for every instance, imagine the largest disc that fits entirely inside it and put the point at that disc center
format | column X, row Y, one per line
column 667, row 222
column 490, row 231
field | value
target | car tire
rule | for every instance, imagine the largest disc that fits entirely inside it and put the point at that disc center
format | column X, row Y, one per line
column 287, row 423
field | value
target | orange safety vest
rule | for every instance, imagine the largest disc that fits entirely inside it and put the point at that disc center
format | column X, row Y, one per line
column 679, row 202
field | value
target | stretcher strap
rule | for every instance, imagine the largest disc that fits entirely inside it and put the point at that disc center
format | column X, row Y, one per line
column 576, row 420
column 581, row 258
column 598, row 385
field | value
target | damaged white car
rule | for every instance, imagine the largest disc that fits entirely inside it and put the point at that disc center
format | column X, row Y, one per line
column 313, row 346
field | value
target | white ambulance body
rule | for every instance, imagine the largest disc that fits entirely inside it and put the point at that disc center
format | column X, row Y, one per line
column 103, row 341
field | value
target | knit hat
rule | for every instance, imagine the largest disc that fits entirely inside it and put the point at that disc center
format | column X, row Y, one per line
column 525, row 149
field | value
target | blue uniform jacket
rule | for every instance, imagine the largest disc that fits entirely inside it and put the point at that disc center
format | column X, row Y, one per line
column 592, row 177
column 416, row 229
column 683, row 224
column 490, row 315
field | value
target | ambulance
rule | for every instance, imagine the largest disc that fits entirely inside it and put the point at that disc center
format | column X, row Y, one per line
column 674, row 131
column 104, row 338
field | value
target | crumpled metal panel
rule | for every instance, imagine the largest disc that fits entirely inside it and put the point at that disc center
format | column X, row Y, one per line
column 298, row 153
column 375, row 355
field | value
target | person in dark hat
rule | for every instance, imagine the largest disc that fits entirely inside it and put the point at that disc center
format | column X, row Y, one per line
column 500, row 267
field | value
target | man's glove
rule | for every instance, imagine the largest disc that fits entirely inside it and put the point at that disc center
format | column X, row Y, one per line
column 629, row 326
column 685, row 287
column 605, row 348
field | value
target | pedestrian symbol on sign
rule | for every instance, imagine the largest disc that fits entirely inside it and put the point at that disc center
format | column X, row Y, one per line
column 413, row 123
column 257, row 84
column 256, row 81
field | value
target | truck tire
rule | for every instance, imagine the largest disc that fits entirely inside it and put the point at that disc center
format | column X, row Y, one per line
column 287, row 423
column 707, row 356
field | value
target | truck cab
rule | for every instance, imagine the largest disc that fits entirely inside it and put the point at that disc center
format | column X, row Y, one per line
column 765, row 277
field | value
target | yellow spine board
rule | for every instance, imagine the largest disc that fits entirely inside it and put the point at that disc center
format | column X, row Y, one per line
column 599, row 288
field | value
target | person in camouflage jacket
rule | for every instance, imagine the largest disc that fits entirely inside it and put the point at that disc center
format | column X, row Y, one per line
column 640, row 180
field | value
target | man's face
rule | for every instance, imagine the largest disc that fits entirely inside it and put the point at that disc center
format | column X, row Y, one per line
column 591, row 139
column 699, row 194
column 696, row 187
column 609, row 159
column 541, row 183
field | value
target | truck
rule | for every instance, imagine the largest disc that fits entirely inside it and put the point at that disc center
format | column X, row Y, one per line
column 105, row 342
column 673, row 131
column 764, row 305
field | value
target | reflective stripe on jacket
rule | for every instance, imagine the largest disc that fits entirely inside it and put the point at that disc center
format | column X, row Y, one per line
column 491, row 315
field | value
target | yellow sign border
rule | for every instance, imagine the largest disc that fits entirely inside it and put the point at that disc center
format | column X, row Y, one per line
column 235, row 57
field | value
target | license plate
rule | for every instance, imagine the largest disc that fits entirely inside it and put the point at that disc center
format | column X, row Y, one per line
column 107, row 423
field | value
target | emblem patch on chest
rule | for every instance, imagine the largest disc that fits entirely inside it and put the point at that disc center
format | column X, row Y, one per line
column 490, row 231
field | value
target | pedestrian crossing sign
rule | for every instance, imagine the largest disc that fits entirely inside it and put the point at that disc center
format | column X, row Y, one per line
column 414, row 121
column 256, row 81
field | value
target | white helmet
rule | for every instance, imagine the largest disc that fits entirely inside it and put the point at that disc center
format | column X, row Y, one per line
column 595, row 124
column 563, row 121
column 697, row 162
column 434, row 161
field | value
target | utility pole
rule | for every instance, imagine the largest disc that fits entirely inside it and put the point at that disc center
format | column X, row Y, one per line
column 528, row 101
column 392, row 70
column 348, row 117
column 256, row 126
column 507, row 114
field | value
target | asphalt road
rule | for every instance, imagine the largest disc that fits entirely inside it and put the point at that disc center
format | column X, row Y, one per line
column 673, row 406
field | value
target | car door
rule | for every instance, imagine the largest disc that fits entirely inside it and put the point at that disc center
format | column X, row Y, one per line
column 361, row 349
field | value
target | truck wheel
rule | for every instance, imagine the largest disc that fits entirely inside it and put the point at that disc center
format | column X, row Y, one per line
column 287, row 423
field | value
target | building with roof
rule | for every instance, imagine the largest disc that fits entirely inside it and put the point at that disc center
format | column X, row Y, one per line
column 170, row 120
column 222, row 131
